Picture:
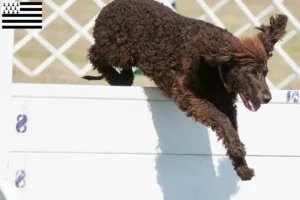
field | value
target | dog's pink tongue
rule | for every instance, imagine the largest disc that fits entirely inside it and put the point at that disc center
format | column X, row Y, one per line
column 251, row 106
column 248, row 102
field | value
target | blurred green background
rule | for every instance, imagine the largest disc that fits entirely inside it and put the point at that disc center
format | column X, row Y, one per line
column 59, row 31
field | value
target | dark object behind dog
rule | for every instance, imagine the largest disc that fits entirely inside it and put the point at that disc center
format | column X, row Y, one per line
column 199, row 66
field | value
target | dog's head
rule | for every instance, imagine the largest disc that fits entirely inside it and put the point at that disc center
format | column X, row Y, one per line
column 248, row 77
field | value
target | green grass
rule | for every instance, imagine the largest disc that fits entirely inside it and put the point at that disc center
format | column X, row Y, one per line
column 58, row 32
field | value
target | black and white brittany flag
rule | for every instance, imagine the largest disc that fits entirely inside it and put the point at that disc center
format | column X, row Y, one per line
column 22, row 15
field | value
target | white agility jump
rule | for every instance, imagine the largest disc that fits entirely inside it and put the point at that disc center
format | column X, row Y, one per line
column 110, row 143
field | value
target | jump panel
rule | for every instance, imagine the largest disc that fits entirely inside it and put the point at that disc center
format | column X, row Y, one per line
column 131, row 143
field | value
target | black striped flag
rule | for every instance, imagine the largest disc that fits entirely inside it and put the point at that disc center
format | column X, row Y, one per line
column 22, row 15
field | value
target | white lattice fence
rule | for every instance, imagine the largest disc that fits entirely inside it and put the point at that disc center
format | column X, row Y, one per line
column 210, row 12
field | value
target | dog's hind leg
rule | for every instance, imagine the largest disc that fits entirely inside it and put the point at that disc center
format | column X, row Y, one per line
column 114, row 78
column 107, row 71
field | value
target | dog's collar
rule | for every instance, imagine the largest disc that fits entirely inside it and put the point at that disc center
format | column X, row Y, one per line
column 223, row 79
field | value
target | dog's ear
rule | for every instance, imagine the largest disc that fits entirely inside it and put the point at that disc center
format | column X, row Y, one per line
column 213, row 51
column 217, row 58
column 269, row 35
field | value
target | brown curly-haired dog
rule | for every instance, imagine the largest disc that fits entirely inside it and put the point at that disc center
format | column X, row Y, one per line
column 199, row 66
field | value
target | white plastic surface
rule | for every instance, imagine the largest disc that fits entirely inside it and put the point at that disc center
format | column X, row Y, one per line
column 102, row 142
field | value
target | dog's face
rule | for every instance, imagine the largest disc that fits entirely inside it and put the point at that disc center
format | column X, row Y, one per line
column 250, row 83
column 247, row 76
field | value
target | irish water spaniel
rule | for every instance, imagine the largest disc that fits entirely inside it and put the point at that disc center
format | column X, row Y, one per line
column 199, row 66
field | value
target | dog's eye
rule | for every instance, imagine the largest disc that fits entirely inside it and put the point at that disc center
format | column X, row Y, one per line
column 253, row 71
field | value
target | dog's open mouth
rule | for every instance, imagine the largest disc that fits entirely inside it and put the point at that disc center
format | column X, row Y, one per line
column 248, row 103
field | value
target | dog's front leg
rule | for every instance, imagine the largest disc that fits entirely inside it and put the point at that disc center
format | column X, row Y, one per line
column 206, row 113
column 228, row 107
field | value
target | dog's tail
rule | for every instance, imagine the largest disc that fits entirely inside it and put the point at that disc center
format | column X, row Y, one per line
column 93, row 56
column 93, row 78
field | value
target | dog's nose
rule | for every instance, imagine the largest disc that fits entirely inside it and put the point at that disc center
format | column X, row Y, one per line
column 267, row 98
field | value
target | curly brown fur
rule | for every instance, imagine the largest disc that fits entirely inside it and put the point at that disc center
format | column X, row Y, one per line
column 270, row 34
column 199, row 66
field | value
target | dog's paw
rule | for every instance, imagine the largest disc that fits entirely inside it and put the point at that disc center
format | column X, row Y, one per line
column 245, row 173
column 237, row 150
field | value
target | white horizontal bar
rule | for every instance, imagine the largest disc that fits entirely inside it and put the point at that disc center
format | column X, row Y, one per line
column 31, row 6
column 22, row 18
column 30, row 12
column 22, row 24
column 104, row 92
